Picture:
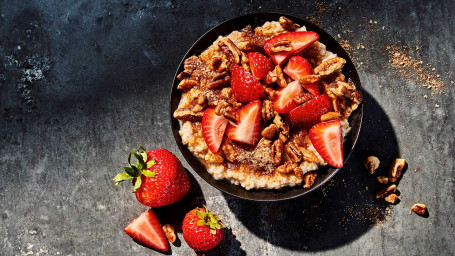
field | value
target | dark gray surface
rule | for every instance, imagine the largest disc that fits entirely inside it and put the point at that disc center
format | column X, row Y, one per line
column 82, row 82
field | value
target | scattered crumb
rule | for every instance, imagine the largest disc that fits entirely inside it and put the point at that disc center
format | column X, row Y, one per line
column 436, row 105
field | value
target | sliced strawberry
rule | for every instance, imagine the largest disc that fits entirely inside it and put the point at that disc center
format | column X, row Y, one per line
column 146, row 230
column 213, row 128
column 327, row 139
column 298, row 42
column 298, row 66
column 310, row 112
column 259, row 65
column 244, row 86
column 285, row 100
column 247, row 128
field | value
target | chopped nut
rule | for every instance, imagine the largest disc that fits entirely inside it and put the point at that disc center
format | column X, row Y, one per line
column 282, row 125
column 191, row 64
column 298, row 173
column 303, row 97
column 309, row 178
column 188, row 115
column 277, row 152
column 222, row 108
column 387, row 191
column 271, row 93
column 269, row 131
column 308, row 155
column 383, row 179
column 184, row 74
column 187, row 84
column 287, row 24
column 371, row 163
column 293, row 152
column 169, row 232
column 395, row 169
column 392, row 198
column 340, row 78
column 216, row 63
column 230, row 50
column 309, row 79
column 329, row 66
column 286, row 168
column 270, row 78
column 267, row 110
column 280, row 77
column 281, row 46
column 232, row 116
column 197, row 108
column 330, row 116
column 219, row 80
column 283, row 137
column 420, row 209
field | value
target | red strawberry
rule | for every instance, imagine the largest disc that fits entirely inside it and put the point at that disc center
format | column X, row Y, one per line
column 146, row 230
column 247, row 128
column 310, row 112
column 259, row 65
column 327, row 139
column 159, row 178
column 299, row 41
column 213, row 128
column 202, row 230
column 285, row 100
column 298, row 66
column 244, row 86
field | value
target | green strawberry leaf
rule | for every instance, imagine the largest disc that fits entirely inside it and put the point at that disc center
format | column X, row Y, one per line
column 139, row 166
column 138, row 183
column 139, row 158
column 148, row 173
column 151, row 163
column 121, row 177
column 135, row 170
column 144, row 156
column 130, row 171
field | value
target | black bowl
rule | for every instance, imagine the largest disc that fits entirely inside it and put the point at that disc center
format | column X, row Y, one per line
column 257, row 19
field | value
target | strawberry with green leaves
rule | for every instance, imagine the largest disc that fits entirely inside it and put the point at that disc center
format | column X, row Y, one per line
column 158, row 177
column 202, row 229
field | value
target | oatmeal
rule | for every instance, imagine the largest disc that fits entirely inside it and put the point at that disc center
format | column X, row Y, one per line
column 261, row 106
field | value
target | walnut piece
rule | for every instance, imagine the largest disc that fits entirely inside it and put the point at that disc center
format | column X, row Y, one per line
column 169, row 232
column 329, row 66
column 309, row 79
column 230, row 50
column 383, row 179
column 293, row 152
column 277, row 76
column 387, row 191
column 395, row 169
column 330, row 116
column 419, row 208
column 371, row 163
column 281, row 46
column 271, row 93
column 309, row 178
column 392, row 198
column 267, row 110
column 277, row 152
column 303, row 97
column 269, row 131
column 287, row 24
column 281, row 124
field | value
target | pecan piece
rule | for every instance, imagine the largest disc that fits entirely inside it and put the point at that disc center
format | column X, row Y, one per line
column 216, row 63
column 308, row 155
column 283, row 137
column 287, row 24
column 269, row 131
column 309, row 79
column 303, row 97
column 232, row 116
column 420, row 209
column 383, row 179
column 191, row 63
column 329, row 66
column 169, row 232
column 371, row 163
column 188, row 115
column 387, row 191
column 392, row 198
column 277, row 152
column 282, row 125
column 395, row 169
column 184, row 74
column 330, row 116
column 187, row 84
column 286, row 168
column 281, row 46
column 219, row 80
column 230, row 50
column 309, row 178
column 267, row 110
column 280, row 77
column 293, row 152
column 271, row 93
column 270, row 78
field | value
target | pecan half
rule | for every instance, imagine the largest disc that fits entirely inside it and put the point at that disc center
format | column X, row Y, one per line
column 293, row 152
column 420, row 209
column 280, row 77
column 169, row 232
column 188, row 115
column 387, row 191
column 287, row 24
column 216, row 63
column 230, row 50
column 330, row 116
column 283, row 137
column 219, row 80
column 281, row 46
column 303, row 97
column 309, row 79
column 286, row 168
column 270, row 131
column 308, row 155
column 277, row 152
column 187, row 84
column 371, row 163
column 383, row 179
column 267, row 110
column 184, row 74
column 309, row 178
column 329, row 66
column 392, row 198
column 395, row 169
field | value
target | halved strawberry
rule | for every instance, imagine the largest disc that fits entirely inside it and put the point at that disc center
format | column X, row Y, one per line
column 298, row 41
column 285, row 100
column 244, row 86
column 146, row 230
column 298, row 66
column 247, row 128
column 310, row 112
column 213, row 128
column 259, row 65
column 327, row 139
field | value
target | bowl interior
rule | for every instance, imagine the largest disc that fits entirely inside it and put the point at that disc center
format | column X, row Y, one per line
column 324, row 174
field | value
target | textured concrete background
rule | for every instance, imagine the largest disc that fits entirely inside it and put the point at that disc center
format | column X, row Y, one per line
column 82, row 82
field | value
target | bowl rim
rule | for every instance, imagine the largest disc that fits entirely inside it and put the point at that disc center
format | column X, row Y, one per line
column 222, row 184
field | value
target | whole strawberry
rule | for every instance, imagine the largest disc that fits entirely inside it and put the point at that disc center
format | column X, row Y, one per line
column 202, row 230
column 159, row 178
